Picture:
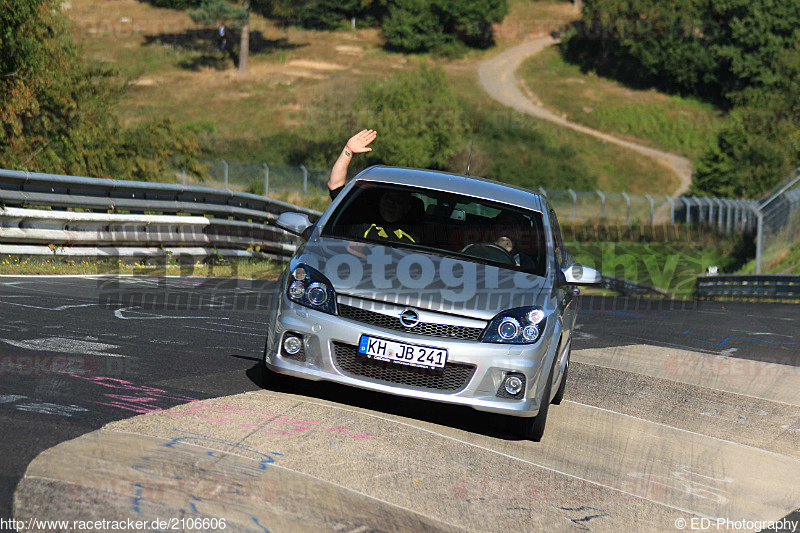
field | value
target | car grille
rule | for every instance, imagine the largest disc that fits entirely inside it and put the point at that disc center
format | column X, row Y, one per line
column 452, row 378
column 423, row 328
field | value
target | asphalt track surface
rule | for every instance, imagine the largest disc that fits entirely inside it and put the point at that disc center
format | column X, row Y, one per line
column 140, row 398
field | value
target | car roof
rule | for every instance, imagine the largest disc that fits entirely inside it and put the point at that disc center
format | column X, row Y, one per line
column 456, row 183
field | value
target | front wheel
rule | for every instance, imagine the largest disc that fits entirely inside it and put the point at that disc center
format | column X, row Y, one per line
column 269, row 379
column 533, row 428
column 560, row 393
column 563, row 385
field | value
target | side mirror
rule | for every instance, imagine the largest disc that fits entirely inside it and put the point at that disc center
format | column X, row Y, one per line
column 295, row 223
column 578, row 274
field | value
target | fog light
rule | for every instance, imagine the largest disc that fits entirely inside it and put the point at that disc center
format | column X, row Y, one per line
column 292, row 345
column 513, row 385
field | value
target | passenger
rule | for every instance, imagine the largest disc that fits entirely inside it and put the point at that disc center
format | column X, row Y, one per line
column 395, row 208
column 357, row 144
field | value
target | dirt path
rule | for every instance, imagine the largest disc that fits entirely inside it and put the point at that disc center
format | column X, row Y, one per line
column 498, row 78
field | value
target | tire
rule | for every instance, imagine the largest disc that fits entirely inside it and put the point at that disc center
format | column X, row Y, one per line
column 563, row 385
column 560, row 394
column 269, row 379
column 532, row 428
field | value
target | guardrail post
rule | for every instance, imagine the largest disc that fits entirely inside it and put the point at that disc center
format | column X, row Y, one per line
column 226, row 172
column 628, row 207
column 671, row 210
column 543, row 192
column 719, row 211
column 688, row 209
column 729, row 213
column 652, row 207
column 759, row 238
column 602, row 204
column 574, row 204
column 266, row 179
column 183, row 173
column 305, row 178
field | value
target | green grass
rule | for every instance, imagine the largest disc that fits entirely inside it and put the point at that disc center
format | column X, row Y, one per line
column 781, row 256
column 668, row 122
column 281, row 110
column 525, row 151
column 245, row 269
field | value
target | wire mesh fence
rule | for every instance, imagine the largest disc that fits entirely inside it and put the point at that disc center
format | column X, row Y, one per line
column 779, row 221
column 775, row 217
column 572, row 206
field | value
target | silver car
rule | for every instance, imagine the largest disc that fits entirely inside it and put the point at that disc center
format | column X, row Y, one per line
column 434, row 286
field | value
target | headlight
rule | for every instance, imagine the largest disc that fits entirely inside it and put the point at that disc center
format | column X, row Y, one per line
column 311, row 289
column 522, row 325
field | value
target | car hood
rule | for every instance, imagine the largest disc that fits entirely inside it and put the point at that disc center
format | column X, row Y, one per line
column 422, row 280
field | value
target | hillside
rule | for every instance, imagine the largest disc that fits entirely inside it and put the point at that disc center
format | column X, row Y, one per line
column 296, row 102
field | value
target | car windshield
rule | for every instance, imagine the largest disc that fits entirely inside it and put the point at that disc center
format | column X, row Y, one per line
column 443, row 223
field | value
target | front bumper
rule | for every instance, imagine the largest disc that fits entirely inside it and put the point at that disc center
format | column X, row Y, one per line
column 472, row 377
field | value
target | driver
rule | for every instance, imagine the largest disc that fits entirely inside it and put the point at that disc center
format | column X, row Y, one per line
column 393, row 207
column 510, row 227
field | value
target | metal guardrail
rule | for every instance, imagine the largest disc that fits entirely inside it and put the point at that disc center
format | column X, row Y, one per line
column 631, row 288
column 778, row 287
column 136, row 219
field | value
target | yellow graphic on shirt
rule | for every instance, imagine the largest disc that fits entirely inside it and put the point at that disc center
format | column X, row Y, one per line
column 400, row 234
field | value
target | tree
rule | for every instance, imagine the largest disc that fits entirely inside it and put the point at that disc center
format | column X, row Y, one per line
column 421, row 25
column 742, row 55
column 219, row 12
column 417, row 116
column 319, row 14
column 57, row 110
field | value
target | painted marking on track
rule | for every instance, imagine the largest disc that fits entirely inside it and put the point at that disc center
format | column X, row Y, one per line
column 227, row 469
column 11, row 398
column 43, row 408
column 713, row 340
column 46, row 408
column 65, row 345
column 547, row 468
column 787, row 427
column 120, row 313
column 762, row 333
column 226, row 331
column 690, row 482
column 59, row 308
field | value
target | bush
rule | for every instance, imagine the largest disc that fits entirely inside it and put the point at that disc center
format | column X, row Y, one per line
column 424, row 25
column 417, row 115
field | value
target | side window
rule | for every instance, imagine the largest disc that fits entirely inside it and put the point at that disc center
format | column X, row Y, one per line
column 558, row 244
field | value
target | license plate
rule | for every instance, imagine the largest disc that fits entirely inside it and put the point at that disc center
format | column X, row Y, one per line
column 400, row 352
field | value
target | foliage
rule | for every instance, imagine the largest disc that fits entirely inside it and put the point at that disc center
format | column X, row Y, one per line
column 216, row 12
column 57, row 110
column 741, row 55
column 423, row 25
column 416, row 113
column 740, row 165
column 521, row 155
column 176, row 4
column 318, row 14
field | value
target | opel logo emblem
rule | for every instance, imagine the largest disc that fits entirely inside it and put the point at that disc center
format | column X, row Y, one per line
column 409, row 318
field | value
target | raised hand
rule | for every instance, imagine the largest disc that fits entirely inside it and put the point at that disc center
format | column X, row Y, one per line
column 357, row 144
